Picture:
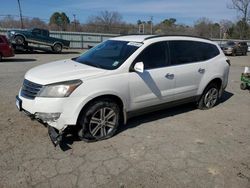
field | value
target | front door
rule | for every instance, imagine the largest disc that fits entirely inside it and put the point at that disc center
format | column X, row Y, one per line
column 156, row 84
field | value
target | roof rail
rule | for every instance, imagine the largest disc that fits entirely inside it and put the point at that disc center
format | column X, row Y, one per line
column 132, row 34
column 156, row 36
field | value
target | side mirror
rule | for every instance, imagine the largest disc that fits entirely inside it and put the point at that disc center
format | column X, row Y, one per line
column 139, row 67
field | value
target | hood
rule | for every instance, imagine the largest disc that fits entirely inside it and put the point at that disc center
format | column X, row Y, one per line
column 63, row 70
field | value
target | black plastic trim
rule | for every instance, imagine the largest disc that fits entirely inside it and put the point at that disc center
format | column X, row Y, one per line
column 162, row 106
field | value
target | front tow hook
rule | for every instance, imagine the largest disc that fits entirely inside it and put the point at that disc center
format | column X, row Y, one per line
column 55, row 137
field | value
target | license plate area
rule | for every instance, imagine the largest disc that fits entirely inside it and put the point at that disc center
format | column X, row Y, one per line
column 18, row 103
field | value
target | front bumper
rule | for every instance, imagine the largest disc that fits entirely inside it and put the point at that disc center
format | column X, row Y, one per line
column 55, row 135
column 56, row 112
column 228, row 52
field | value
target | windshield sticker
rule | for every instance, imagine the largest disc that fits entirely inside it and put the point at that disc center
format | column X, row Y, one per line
column 115, row 63
column 137, row 44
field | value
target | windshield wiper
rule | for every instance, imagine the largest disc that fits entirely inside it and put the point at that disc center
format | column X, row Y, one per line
column 92, row 64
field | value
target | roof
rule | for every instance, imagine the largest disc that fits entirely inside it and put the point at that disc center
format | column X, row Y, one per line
column 141, row 38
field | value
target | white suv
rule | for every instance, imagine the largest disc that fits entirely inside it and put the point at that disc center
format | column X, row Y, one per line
column 123, row 77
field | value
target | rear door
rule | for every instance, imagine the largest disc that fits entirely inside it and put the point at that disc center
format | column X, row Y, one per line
column 190, row 59
column 156, row 84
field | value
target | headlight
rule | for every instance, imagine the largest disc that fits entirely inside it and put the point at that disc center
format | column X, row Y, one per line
column 62, row 89
column 12, row 32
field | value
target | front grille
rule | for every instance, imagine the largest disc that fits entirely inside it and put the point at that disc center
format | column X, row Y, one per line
column 30, row 89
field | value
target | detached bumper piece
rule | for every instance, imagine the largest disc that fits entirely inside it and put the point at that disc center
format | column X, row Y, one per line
column 55, row 136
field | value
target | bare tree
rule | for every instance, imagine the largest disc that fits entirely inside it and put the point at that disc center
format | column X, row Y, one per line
column 106, row 21
column 242, row 6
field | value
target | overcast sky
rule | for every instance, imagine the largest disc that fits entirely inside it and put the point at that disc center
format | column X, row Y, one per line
column 185, row 11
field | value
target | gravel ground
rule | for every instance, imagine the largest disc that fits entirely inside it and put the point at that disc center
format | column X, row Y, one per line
column 178, row 147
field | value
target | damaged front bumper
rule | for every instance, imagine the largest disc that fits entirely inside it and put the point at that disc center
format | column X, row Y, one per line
column 46, row 119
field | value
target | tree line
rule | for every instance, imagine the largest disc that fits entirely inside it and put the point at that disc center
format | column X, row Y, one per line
column 112, row 22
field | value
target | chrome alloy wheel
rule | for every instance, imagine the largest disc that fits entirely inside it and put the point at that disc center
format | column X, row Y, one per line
column 211, row 97
column 102, row 122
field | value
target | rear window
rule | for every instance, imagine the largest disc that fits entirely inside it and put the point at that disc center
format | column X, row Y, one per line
column 183, row 52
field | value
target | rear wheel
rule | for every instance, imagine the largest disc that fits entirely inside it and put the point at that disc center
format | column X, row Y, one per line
column 1, row 57
column 99, row 121
column 57, row 48
column 19, row 40
column 209, row 97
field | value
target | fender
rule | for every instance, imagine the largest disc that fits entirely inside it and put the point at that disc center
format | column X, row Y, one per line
column 201, row 89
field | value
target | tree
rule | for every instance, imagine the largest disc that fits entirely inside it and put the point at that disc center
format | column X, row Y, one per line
column 59, row 20
column 242, row 7
column 203, row 27
column 169, row 22
column 106, row 21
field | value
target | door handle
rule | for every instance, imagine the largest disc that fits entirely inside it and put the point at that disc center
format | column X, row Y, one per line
column 201, row 70
column 169, row 76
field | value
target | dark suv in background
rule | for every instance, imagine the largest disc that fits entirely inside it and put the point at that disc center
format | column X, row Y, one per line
column 235, row 48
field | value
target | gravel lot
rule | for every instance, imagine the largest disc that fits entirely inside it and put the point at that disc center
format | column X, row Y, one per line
column 178, row 147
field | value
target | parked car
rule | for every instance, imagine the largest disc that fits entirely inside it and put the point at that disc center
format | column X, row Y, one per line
column 6, row 49
column 235, row 48
column 37, row 36
column 120, row 78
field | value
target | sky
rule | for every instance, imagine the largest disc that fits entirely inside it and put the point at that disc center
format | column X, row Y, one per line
column 185, row 11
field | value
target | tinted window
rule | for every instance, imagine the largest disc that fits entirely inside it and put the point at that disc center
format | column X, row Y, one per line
column 109, row 54
column 37, row 31
column 190, row 51
column 243, row 43
column 154, row 56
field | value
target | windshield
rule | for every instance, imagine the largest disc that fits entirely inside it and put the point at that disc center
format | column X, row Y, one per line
column 108, row 55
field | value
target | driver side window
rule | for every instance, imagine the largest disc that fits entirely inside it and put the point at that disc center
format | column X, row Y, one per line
column 154, row 56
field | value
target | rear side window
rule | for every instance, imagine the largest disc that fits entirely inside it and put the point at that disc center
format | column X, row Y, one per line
column 183, row 52
column 154, row 56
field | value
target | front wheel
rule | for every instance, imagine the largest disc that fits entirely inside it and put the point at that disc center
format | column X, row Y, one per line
column 19, row 40
column 100, row 121
column 209, row 97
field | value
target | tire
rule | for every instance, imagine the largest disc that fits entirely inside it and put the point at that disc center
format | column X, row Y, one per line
column 99, row 121
column 1, row 57
column 209, row 97
column 19, row 40
column 57, row 48
column 243, row 86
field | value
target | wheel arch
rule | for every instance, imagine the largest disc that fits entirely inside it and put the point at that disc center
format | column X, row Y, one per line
column 57, row 42
column 112, row 97
column 217, row 81
column 21, row 35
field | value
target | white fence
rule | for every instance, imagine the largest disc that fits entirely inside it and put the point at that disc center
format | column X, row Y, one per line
column 84, row 40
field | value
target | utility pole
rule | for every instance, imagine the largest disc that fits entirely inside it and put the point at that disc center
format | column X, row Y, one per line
column 74, row 21
column 151, row 21
column 20, row 11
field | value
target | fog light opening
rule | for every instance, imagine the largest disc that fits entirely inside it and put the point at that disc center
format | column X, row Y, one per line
column 47, row 117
